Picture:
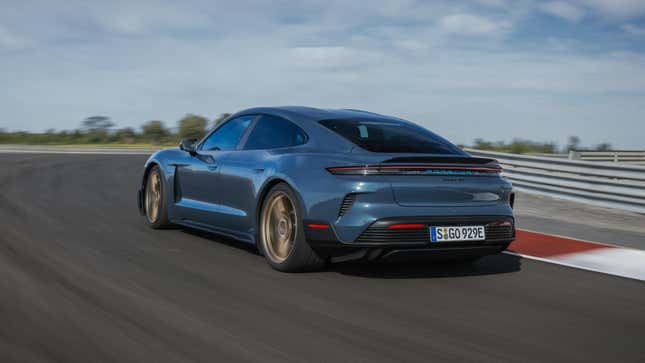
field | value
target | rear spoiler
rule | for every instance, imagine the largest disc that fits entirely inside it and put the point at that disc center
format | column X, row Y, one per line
column 439, row 160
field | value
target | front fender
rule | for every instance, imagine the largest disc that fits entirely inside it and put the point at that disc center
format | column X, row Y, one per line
column 167, row 160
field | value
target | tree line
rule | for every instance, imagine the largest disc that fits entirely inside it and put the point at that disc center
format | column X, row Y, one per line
column 521, row 146
column 102, row 130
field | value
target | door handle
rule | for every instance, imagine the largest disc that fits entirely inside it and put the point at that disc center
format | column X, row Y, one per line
column 212, row 167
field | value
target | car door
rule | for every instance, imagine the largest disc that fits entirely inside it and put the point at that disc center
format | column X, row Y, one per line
column 201, row 192
column 242, row 173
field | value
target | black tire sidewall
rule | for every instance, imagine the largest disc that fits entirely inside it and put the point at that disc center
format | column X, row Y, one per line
column 162, row 219
column 299, row 255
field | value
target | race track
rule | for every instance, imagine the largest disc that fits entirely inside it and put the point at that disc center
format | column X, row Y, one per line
column 82, row 278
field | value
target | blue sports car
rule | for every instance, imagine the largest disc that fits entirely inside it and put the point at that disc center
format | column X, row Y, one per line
column 309, row 186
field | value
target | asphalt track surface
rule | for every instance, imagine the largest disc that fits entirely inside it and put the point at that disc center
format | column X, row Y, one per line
column 83, row 279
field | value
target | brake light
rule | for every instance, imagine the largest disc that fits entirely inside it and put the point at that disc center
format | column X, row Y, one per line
column 415, row 170
column 502, row 223
column 407, row 226
column 318, row 226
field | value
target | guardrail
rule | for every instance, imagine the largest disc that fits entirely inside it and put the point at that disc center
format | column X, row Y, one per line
column 611, row 185
column 614, row 185
column 616, row 156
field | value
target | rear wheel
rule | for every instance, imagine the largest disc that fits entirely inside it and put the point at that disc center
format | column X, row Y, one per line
column 281, row 234
column 155, row 201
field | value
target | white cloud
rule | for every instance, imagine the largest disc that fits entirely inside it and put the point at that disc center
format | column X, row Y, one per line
column 328, row 57
column 138, row 62
column 471, row 24
column 12, row 41
column 563, row 10
column 412, row 45
column 616, row 8
column 633, row 29
column 135, row 18
column 493, row 3
column 394, row 8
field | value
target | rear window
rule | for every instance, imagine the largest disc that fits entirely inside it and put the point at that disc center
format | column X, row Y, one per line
column 391, row 137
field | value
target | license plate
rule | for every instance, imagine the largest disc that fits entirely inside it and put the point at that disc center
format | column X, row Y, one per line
column 457, row 233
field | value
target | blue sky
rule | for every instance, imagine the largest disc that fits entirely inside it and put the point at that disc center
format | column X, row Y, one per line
column 496, row 69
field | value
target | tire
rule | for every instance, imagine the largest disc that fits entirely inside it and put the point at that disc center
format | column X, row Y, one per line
column 155, row 202
column 281, row 236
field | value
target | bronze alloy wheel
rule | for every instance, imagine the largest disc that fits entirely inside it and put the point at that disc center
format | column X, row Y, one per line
column 279, row 227
column 153, row 197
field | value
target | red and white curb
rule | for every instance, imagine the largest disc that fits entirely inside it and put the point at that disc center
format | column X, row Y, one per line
column 586, row 255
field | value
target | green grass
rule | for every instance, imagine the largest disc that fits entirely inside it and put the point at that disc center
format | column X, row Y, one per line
column 133, row 146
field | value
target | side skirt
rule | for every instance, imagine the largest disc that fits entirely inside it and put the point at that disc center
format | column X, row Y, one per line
column 242, row 237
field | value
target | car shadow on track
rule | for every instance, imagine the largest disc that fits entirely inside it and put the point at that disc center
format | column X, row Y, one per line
column 489, row 265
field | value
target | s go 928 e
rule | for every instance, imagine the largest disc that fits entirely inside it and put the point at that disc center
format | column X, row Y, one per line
column 309, row 186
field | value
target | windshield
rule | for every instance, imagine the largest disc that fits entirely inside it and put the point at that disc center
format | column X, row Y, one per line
column 391, row 137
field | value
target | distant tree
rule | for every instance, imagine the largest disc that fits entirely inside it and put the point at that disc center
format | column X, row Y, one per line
column 603, row 147
column 97, row 129
column 154, row 131
column 517, row 146
column 93, row 123
column 482, row 144
column 5, row 137
column 76, row 137
column 63, row 137
column 125, row 135
column 192, row 126
column 550, row 148
column 573, row 143
column 218, row 120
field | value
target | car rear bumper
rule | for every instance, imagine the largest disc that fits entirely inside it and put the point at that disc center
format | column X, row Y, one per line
column 377, row 241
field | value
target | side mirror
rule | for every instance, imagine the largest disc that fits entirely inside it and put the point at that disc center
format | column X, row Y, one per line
column 188, row 145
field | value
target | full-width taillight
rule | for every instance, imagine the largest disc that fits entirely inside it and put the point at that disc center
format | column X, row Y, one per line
column 415, row 170
column 352, row 170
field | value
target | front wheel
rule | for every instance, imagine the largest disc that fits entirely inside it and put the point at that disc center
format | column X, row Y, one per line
column 281, row 234
column 155, row 203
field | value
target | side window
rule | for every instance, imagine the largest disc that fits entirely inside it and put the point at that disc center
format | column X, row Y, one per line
column 272, row 132
column 228, row 135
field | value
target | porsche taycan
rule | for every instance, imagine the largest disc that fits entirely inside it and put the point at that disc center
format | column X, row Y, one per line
column 310, row 186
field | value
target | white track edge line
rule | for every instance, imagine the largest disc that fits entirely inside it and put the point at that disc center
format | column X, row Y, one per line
column 546, row 260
